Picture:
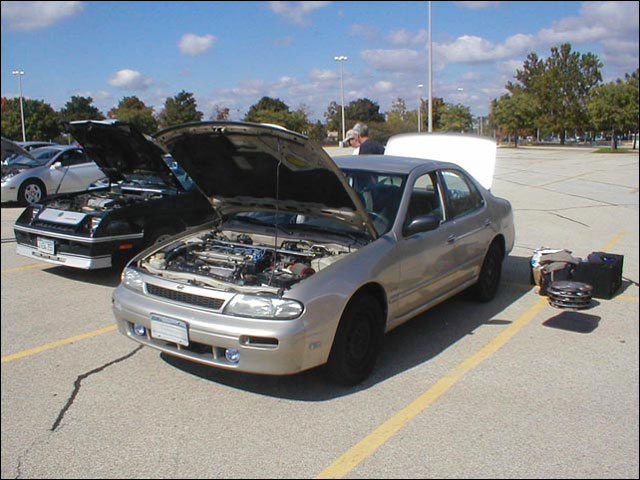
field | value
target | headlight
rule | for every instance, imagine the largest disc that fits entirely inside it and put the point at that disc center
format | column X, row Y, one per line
column 255, row 306
column 8, row 175
column 131, row 278
column 95, row 221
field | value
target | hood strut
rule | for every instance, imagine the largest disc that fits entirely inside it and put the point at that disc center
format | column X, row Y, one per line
column 275, row 223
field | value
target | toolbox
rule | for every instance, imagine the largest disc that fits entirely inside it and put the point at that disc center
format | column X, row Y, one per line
column 601, row 270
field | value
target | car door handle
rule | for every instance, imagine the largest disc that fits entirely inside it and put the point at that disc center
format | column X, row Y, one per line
column 487, row 222
column 451, row 238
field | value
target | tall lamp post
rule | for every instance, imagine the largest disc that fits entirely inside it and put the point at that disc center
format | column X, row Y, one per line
column 20, row 73
column 430, row 123
column 340, row 59
column 419, row 106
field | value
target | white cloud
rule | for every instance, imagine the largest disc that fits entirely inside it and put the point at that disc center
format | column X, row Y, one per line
column 383, row 86
column 193, row 45
column 400, row 60
column 130, row 80
column 404, row 37
column 361, row 30
column 35, row 15
column 296, row 12
column 477, row 5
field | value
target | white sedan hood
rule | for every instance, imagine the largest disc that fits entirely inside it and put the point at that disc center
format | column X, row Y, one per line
column 477, row 155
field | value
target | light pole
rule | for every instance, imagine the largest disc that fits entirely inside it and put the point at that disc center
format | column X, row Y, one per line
column 419, row 105
column 20, row 73
column 342, row 58
column 430, row 75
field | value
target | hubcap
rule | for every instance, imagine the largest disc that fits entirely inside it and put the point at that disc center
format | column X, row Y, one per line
column 32, row 193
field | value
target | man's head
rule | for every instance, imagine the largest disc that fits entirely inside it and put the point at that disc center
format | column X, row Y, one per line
column 352, row 138
column 362, row 130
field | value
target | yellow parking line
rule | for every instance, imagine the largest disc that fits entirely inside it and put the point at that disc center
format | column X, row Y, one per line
column 380, row 435
column 26, row 267
column 66, row 341
column 367, row 446
column 627, row 298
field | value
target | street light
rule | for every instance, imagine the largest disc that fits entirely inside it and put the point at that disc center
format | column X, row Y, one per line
column 342, row 58
column 20, row 73
column 430, row 75
column 419, row 105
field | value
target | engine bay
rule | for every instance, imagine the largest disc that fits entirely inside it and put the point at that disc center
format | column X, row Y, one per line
column 101, row 200
column 221, row 258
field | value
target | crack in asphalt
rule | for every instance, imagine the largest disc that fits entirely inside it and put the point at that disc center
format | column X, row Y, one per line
column 570, row 219
column 78, row 382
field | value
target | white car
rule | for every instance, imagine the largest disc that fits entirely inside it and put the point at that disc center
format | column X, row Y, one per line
column 30, row 177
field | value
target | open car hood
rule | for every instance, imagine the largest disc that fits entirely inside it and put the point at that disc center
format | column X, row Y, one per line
column 120, row 150
column 11, row 149
column 241, row 166
column 477, row 155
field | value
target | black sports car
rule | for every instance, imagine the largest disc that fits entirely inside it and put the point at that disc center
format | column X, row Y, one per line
column 145, row 198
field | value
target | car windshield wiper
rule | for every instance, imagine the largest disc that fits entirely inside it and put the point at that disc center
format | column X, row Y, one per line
column 262, row 223
column 326, row 230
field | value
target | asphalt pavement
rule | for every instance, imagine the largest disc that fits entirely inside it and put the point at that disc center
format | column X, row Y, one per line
column 509, row 389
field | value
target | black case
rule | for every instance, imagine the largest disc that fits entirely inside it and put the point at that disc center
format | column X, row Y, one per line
column 603, row 271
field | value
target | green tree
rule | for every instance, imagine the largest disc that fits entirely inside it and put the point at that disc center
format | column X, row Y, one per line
column 80, row 108
column 134, row 111
column 275, row 111
column 318, row 132
column 401, row 120
column 559, row 87
column 513, row 113
column 40, row 119
column 362, row 110
column 437, row 104
column 333, row 117
column 455, row 118
column 614, row 107
column 179, row 109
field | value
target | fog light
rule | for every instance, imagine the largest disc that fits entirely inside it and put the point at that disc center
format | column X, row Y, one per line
column 232, row 355
column 140, row 330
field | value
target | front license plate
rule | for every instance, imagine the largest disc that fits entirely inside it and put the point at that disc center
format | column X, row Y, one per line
column 46, row 246
column 169, row 329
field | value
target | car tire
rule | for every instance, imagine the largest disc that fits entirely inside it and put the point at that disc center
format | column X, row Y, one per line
column 487, row 285
column 357, row 343
column 159, row 234
column 31, row 191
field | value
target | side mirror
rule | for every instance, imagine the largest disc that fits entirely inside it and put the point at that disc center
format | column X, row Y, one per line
column 57, row 165
column 420, row 224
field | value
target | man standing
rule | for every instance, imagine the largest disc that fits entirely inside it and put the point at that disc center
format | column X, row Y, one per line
column 367, row 145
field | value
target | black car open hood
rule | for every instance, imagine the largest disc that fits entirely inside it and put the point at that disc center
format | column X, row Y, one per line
column 120, row 150
column 241, row 166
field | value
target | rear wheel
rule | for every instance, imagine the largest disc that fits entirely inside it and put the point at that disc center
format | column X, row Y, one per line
column 31, row 191
column 358, row 341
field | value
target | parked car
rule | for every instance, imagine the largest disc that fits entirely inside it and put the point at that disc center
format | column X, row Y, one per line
column 142, row 201
column 11, row 148
column 31, row 176
column 312, row 260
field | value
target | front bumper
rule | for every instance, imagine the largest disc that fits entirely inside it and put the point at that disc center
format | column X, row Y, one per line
column 276, row 347
column 72, row 250
column 9, row 193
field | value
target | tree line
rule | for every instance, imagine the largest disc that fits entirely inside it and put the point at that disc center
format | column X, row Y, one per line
column 562, row 93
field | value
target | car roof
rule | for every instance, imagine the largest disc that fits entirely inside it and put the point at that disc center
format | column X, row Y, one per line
column 384, row 163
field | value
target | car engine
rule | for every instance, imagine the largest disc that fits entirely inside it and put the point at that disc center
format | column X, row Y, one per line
column 100, row 201
column 240, row 259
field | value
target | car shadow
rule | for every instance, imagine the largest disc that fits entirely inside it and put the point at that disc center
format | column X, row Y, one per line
column 105, row 277
column 413, row 343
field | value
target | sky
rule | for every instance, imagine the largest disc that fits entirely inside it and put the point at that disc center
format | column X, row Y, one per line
column 231, row 54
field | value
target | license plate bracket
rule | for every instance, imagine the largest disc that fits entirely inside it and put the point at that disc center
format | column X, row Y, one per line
column 169, row 329
column 47, row 246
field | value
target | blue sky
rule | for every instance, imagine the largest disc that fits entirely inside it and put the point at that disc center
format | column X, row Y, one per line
column 230, row 54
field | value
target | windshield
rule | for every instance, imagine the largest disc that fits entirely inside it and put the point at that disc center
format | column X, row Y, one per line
column 380, row 193
column 40, row 157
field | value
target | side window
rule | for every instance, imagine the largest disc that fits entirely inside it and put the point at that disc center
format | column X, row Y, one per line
column 73, row 157
column 463, row 197
column 425, row 198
